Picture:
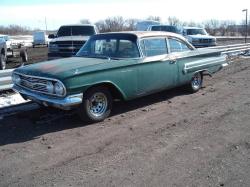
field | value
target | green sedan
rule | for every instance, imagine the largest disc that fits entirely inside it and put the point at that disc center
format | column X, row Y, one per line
column 121, row 65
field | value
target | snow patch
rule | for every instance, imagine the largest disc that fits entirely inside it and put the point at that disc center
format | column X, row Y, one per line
column 8, row 100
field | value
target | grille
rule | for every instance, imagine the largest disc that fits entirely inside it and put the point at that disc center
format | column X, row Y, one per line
column 205, row 40
column 70, row 46
column 33, row 83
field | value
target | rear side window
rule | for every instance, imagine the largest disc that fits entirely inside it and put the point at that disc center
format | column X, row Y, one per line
column 177, row 46
column 165, row 28
column 154, row 46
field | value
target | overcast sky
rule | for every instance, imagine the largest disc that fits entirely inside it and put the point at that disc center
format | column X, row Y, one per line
column 32, row 13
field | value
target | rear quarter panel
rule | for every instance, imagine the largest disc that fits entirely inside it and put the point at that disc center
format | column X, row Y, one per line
column 195, row 61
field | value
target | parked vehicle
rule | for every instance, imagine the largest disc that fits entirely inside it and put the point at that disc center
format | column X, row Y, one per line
column 12, row 50
column 39, row 38
column 199, row 37
column 166, row 28
column 69, row 39
column 3, row 53
column 144, row 25
column 122, row 65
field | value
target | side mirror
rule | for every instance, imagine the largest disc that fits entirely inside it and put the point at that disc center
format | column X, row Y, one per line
column 51, row 36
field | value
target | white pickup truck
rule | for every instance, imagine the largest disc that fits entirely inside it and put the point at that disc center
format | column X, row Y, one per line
column 10, row 50
column 69, row 39
column 199, row 37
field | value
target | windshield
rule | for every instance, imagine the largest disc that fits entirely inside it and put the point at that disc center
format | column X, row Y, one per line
column 76, row 31
column 110, row 46
column 196, row 32
column 6, row 38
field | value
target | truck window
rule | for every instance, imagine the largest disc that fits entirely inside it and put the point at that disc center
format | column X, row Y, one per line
column 76, row 31
column 83, row 30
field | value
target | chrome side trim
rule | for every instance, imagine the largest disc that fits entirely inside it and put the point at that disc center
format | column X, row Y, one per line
column 202, row 63
column 62, row 103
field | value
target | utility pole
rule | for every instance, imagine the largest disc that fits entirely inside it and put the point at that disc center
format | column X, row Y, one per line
column 46, row 25
column 246, row 10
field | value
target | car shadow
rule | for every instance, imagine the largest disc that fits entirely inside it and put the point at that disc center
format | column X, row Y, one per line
column 29, row 125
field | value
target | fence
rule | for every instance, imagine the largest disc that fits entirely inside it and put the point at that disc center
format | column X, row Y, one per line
column 5, row 75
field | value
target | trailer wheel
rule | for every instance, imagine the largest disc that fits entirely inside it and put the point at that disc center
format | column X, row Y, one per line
column 2, row 61
column 24, row 55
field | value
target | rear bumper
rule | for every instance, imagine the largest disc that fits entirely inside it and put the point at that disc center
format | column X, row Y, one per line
column 65, row 103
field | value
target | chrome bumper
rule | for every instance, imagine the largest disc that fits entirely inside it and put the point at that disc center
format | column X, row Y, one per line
column 65, row 103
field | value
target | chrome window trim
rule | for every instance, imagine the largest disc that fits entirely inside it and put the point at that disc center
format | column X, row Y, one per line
column 43, row 78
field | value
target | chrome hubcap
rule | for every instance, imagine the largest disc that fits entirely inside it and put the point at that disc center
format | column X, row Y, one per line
column 196, row 82
column 98, row 104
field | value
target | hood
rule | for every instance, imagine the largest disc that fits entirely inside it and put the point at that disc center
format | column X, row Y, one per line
column 69, row 67
column 199, row 36
column 70, row 38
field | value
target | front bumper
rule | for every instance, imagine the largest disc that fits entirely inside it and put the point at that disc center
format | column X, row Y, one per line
column 65, row 103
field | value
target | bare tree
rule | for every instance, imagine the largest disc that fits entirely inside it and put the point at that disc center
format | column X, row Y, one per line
column 85, row 21
column 111, row 24
column 131, row 24
column 15, row 29
column 211, row 26
column 174, row 21
column 154, row 18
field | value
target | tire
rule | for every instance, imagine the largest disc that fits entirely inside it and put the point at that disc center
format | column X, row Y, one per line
column 24, row 55
column 196, row 83
column 96, row 105
column 2, row 61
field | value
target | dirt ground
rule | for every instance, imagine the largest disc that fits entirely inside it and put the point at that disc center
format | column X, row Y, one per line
column 172, row 138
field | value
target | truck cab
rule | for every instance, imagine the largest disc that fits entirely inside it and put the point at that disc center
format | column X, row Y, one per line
column 69, row 39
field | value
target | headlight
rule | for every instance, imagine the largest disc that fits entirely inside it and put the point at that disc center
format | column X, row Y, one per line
column 195, row 39
column 16, row 79
column 50, row 87
column 59, row 89
column 53, row 47
column 190, row 39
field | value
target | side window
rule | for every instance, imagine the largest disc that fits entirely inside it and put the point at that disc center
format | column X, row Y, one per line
column 154, row 46
column 177, row 46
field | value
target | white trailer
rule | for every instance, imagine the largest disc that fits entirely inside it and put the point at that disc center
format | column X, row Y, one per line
column 39, row 38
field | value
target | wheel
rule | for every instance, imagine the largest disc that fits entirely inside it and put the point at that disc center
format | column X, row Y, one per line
column 196, row 82
column 2, row 61
column 96, row 105
column 24, row 55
